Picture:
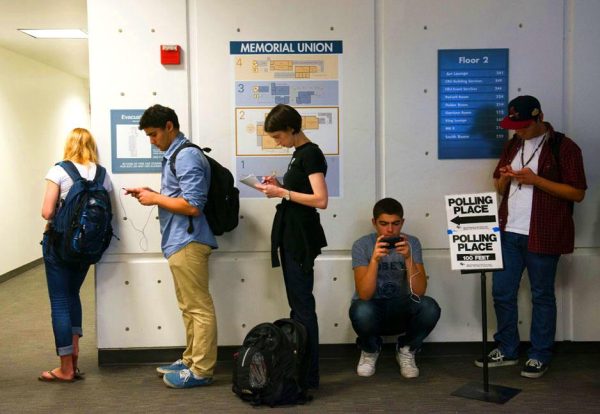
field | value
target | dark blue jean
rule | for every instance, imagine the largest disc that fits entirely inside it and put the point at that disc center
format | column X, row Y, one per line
column 299, row 289
column 64, row 281
column 376, row 317
column 541, row 269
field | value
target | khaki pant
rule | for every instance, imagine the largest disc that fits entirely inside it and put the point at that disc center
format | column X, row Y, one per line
column 189, row 267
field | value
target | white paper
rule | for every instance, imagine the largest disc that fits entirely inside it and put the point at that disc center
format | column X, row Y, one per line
column 250, row 181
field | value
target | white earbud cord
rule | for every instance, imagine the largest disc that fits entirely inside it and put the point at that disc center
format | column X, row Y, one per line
column 143, row 242
column 413, row 296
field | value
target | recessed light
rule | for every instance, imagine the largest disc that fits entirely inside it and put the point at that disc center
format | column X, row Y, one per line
column 55, row 33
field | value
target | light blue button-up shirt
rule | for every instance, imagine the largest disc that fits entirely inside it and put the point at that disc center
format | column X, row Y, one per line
column 191, row 183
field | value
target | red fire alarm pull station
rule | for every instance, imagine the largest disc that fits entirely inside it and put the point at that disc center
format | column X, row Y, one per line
column 170, row 54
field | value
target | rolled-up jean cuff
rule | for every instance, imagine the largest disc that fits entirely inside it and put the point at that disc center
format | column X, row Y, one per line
column 77, row 331
column 65, row 350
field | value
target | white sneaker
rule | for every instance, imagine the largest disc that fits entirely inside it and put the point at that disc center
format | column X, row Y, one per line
column 406, row 360
column 366, row 364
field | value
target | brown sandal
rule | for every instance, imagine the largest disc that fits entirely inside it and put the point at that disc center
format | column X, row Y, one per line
column 53, row 378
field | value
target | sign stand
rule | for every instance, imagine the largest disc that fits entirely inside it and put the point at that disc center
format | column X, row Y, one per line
column 475, row 247
column 474, row 390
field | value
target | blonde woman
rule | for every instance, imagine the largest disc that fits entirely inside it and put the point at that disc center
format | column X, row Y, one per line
column 65, row 279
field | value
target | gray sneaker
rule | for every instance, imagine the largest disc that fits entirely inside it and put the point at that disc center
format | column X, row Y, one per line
column 497, row 359
column 174, row 367
column 406, row 360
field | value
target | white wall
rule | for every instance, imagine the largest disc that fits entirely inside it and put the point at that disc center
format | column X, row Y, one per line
column 389, row 147
column 583, row 123
column 39, row 105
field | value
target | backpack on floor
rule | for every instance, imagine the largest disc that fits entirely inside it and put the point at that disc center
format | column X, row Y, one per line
column 296, row 334
column 222, row 206
column 264, row 369
column 81, row 229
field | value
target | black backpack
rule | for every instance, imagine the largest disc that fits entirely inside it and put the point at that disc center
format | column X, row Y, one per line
column 296, row 334
column 223, row 201
column 81, row 229
column 266, row 367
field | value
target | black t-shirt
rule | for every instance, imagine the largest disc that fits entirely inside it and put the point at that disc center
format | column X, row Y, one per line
column 297, row 227
column 307, row 159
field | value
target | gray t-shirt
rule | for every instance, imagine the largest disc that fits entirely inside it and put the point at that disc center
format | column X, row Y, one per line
column 391, row 276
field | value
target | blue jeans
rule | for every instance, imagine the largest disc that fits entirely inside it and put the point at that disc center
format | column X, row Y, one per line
column 376, row 317
column 298, row 287
column 542, row 274
column 64, row 281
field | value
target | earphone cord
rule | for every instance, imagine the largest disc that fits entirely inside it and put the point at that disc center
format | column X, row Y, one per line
column 143, row 242
column 413, row 296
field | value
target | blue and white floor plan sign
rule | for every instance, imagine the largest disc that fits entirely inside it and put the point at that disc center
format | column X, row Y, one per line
column 472, row 100
column 131, row 150
column 473, row 231
column 303, row 74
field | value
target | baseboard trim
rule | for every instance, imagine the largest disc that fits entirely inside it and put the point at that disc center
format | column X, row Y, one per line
column 19, row 270
column 137, row 356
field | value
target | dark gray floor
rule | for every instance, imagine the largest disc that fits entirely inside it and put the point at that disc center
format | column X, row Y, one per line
column 572, row 385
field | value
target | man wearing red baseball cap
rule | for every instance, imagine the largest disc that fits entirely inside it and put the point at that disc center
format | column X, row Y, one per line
column 540, row 175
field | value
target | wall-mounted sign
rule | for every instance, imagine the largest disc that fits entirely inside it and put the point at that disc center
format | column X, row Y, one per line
column 131, row 150
column 304, row 74
column 473, row 232
column 472, row 99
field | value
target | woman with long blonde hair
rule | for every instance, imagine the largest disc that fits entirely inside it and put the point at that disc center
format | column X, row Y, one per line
column 65, row 279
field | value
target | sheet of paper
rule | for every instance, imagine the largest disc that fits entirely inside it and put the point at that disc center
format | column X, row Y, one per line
column 250, row 181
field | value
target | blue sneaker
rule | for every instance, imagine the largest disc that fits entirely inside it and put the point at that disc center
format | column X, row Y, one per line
column 174, row 367
column 185, row 379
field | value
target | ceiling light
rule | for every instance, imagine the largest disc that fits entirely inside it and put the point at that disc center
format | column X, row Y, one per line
column 55, row 33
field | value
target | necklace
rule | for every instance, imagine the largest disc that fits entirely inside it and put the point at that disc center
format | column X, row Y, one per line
column 525, row 164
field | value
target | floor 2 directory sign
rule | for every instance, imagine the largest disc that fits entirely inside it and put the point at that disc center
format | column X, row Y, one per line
column 472, row 99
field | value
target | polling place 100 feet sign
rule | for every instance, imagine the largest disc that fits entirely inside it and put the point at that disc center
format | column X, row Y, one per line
column 473, row 232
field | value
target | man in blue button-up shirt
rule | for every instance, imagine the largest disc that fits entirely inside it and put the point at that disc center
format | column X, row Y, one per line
column 186, row 247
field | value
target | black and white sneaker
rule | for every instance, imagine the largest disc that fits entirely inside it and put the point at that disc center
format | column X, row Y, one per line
column 534, row 368
column 497, row 359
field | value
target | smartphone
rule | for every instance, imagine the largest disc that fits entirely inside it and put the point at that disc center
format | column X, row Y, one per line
column 391, row 241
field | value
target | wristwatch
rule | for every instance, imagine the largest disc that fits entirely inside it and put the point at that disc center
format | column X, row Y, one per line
column 287, row 195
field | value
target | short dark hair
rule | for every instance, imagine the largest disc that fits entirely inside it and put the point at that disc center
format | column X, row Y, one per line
column 387, row 206
column 282, row 117
column 157, row 116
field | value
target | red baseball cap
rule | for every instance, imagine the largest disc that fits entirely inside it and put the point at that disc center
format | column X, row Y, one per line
column 522, row 112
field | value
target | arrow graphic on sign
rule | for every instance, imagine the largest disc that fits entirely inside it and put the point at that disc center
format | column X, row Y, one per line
column 458, row 220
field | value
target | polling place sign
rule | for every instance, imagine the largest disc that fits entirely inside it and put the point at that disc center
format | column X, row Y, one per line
column 473, row 231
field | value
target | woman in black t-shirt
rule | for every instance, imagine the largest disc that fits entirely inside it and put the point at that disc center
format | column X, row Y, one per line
column 297, row 233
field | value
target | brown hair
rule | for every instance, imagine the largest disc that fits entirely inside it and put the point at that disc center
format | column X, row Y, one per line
column 282, row 117
column 388, row 206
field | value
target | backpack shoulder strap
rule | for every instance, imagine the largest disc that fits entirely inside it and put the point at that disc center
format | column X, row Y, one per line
column 555, row 146
column 70, row 169
column 100, row 174
column 172, row 161
column 173, row 157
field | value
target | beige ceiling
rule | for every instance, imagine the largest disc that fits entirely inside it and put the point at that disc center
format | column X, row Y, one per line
column 68, row 55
